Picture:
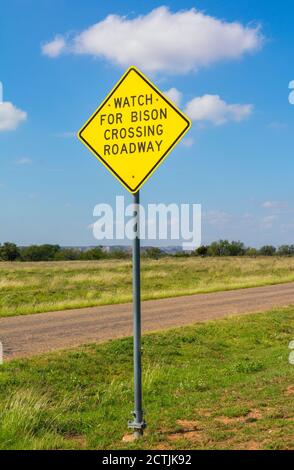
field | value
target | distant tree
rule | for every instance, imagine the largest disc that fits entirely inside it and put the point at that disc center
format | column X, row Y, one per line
column 67, row 254
column 215, row 249
column 39, row 252
column 119, row 254
column 236, row 248
column 9, row 252
column 153, row 253
column 180, row 254
column 201, row 251
column 251, row 252
column 226, row 248
column 286, row 250
column 93, row 254
column 267, row 250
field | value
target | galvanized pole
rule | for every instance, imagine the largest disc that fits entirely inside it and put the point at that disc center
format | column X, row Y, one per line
column 138, row 425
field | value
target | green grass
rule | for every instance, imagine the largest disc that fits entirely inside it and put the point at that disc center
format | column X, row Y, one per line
column 39, row 287
column 219, row 385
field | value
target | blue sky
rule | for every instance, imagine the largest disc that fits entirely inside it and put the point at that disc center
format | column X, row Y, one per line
column 237, row 161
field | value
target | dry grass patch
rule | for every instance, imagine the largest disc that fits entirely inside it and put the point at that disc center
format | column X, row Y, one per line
column 37, row 287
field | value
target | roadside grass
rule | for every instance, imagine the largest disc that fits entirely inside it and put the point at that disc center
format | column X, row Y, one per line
column 220, row 385
column 41, row 287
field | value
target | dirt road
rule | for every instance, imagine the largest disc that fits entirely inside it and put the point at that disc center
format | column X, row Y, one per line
column 33, row 334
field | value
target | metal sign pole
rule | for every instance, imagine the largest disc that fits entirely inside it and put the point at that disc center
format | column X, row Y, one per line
column 134, row 172
column 138, row 425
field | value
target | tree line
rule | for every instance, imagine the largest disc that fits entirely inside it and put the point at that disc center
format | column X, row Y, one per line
column 12, row 252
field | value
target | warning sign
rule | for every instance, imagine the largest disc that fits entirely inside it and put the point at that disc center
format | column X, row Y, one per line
column 134, row 129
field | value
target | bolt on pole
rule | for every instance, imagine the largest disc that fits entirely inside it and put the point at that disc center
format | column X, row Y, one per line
column 138, row 425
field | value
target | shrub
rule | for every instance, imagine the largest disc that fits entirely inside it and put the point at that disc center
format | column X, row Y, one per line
column 251, row 252
column 226, row 248
column 286, row 250
column 153, row 253
column 93, row 254
column 119, row 254
column 201, row 251
column 39, row 252
column 267, row 250
column 67, row 254
column 9, row 252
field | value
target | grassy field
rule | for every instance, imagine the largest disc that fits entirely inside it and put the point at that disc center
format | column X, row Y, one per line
column 38, row 287
column 219, row 385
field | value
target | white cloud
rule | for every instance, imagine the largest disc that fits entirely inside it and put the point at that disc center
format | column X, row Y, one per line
column 10, row 116
column 162, row 40
column 174, row 95
column 188, row 142
column 66, row 135
column 274, row 205
column 54, row 48
column 213, row 109
column 24, row 161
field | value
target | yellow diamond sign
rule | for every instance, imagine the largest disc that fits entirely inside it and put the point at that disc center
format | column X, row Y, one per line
column 134, row 129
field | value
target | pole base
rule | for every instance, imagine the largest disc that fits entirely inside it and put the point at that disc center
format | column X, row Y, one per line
column 138, row 429
column 137, row 426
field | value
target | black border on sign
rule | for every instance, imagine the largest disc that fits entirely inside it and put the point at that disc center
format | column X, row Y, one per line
column 102, row 106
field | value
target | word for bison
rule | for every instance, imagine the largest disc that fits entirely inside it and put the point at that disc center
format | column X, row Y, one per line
column 128, row 133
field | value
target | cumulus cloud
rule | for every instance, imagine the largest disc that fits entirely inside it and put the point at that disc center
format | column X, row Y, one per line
column 188, row 142
column 213, row 109
column 54, row 48
column 10, row 116
column 176, row 42
column 274, row 205
column 174, row 95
